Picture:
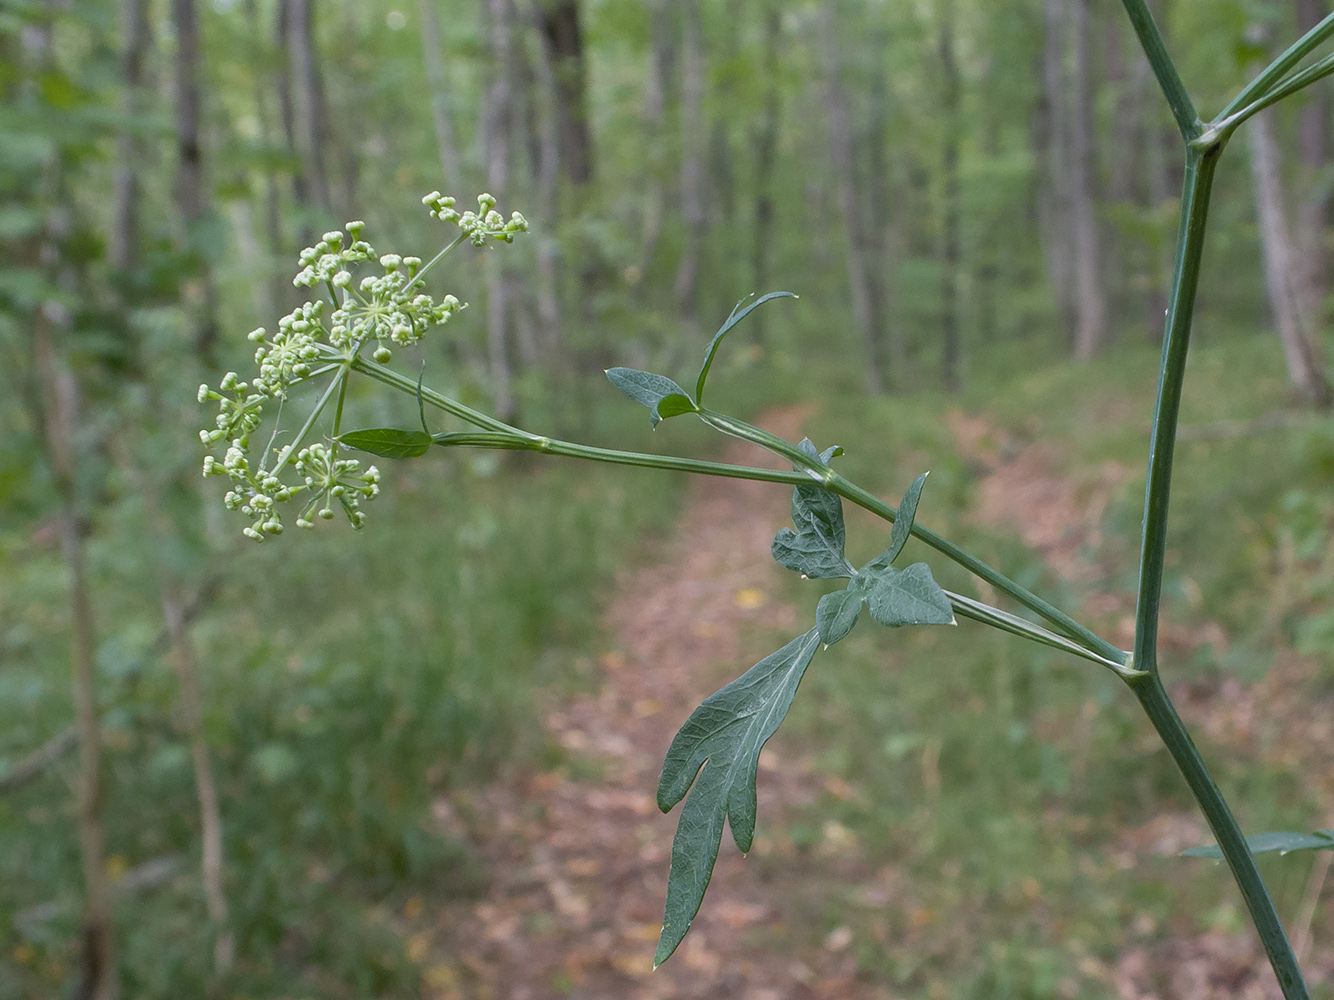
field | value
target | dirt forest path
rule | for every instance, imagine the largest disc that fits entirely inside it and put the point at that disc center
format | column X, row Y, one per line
column 578, row 869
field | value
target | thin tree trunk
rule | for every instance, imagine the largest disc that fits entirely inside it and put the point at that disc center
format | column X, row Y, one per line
column 310, row 115
column 766, row 155
column 1056, row 208
column 950, row 248
column 692, row 157
column 1313, row 282
column 1306, row 367
column 98, row 977
column 841, row 156
column 549, row 335
column 192, row 199
column 123, row 247
column 1090, row 301
column 662, row 58
column 499, row 120
column 558, row 22
column 435, row 80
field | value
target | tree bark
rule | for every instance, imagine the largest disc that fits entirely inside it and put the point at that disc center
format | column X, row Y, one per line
column 950, row 238
column 558, row 22
column 123, row 247
column 310, row 116
column 441, row 117
column 842, row 158
column 1313, row 280
column 192, row 198
column 499, row 113
column 550, row 338
column 766, row 156
column 1306, row 366
column 98, row 976
column 662, row 60
column 692, row 161
column 1055, row 206
column 1090, row 301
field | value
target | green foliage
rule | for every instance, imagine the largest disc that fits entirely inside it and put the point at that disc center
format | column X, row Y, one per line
column 1283, row 842
column 663, row 397
column 723, row 737
column 388, row 442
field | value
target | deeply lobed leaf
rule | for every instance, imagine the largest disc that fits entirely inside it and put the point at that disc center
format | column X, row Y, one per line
column 723, row 737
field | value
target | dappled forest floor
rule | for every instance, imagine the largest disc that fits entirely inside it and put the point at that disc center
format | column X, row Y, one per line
column 578, row 853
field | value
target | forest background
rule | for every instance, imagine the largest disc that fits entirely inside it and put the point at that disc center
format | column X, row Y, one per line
column 222, row 766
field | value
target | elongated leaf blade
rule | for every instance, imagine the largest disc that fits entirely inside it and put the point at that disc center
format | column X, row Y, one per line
column 1282, row 841
column 837, row 613
column 898, row 536
column 388, row 442
column 815, row 548
column 906, row 597
column 663, row 397
column 724, row 737
column 738, row 314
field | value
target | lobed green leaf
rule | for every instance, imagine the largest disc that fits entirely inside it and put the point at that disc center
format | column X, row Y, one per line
column 815, row 549
column 837, row 613
column 724, row 737
column 905, row 597
column 663, row 397
column 388, row 442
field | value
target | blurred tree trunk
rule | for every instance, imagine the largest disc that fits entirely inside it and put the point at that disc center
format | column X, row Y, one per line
column 692, row 157
column 60, row 394
column 123, row 247
column 1312, row 159
column 1090, row 301
column 271, row 294
column 499, row 120
column 558, row 22
column 842, row 158
column 192, row 196
column 310, row 114
column 440, row 112
column 766, row 154
column 1056, row 197
column 550, row 338
column 950, row 239
column 1306, row 367
column 662, row 59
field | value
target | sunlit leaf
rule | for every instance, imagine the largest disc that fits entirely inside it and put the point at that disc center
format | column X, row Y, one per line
column 723, row 736
column 738, row 314
column 388, row 442
column 1282, row 841
column 663, row 397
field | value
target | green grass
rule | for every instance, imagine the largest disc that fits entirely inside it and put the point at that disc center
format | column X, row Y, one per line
column 349, row 678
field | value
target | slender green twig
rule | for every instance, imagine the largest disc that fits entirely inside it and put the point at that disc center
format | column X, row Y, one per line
column 1275, row 71
column 1298, row 81
column 1151, row 41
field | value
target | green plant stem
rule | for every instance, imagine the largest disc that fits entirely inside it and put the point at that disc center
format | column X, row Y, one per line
column 1271, row 74
column 1199, row 174
column 1298, row 81
column 1201, row 162
column 421, row 275
column 1151, row 40
column 288, row 454
column 1158, row 706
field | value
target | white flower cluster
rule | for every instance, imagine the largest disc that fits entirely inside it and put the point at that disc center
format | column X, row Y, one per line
column 388, row 307
column 478, row 225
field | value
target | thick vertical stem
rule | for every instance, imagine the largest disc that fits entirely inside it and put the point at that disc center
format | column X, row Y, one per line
column 1201, row 164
